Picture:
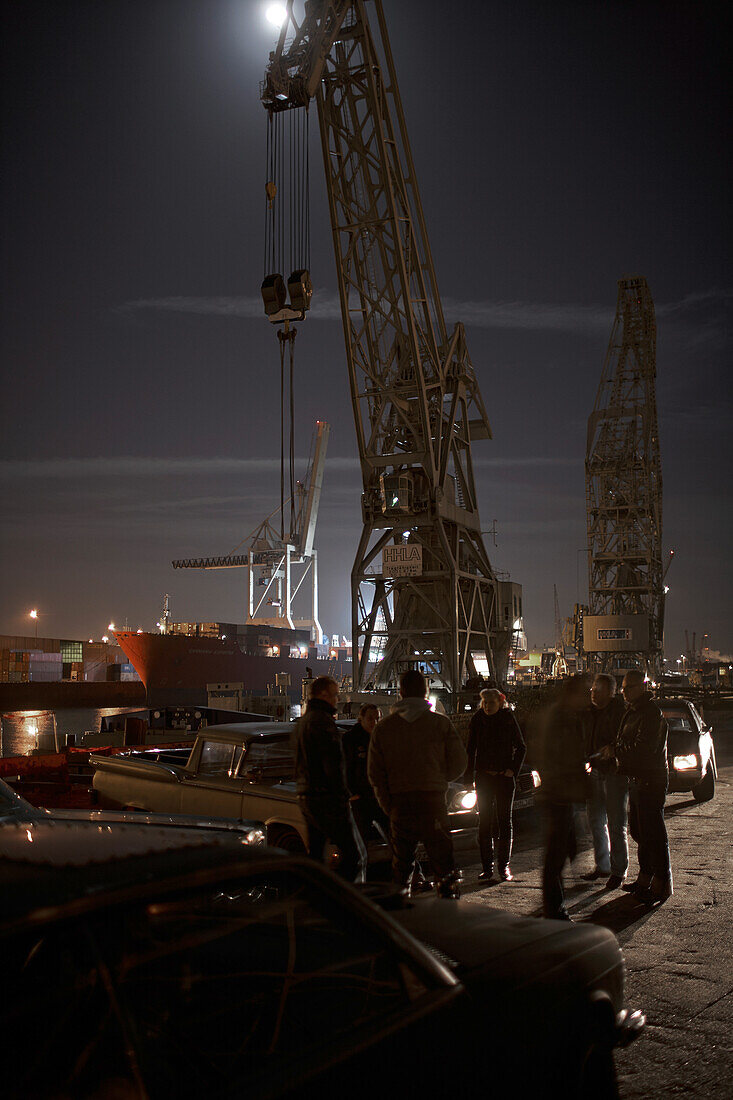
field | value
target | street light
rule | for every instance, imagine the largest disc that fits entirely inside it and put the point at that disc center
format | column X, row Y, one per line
column 34, row 616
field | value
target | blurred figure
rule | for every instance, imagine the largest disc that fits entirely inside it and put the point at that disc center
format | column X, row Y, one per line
column 320, row 777
column 496, row 750
column 641, row 752
column 355, row 744
column 564, row 783
column 609, row 791
column 413, row 755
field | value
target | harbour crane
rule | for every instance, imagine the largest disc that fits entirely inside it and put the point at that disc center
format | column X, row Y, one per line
column 278, row 564
column 625, row 621
column 423, row 591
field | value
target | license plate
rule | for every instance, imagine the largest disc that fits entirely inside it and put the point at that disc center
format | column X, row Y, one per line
column 523, row 803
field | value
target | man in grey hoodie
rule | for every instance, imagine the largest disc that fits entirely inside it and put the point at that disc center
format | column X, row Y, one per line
column 413, row 755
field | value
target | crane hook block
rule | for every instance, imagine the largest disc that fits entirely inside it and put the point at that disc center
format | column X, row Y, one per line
column 270, row 191
column 300, row 289
column 274, row 294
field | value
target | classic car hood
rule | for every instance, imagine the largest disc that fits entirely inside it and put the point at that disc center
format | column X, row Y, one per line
column 490, row 945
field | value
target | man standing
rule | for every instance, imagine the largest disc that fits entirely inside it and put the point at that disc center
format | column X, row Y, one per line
column 641, row 751
column 413, row 755
column 355, row 743
column 564, row 784
column 320, row 777
column 609, row 792
column 495, row 753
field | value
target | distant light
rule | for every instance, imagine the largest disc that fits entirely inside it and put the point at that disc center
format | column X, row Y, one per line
column 91, row 639
column 34, row 614
column 276, row 14
column 105, row 638
column 139, row 630
column 666, row 589
column 111, row 626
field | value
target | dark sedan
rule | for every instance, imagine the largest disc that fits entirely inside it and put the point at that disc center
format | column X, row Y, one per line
column 165, row 963
column 690, row 750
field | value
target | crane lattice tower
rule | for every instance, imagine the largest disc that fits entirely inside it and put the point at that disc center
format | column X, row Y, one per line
column 624, row 495
column 415, row 396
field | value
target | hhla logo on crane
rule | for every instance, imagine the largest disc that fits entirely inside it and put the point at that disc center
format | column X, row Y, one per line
column 402, row 561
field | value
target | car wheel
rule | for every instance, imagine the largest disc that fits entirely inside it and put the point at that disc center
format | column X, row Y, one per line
column 705, row 789
column 287, row 839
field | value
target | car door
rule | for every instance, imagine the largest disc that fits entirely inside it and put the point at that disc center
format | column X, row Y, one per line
column 214, row 790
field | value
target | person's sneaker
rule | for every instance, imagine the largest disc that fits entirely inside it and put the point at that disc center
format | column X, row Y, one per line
column 485, row 875
column 614, row 882
column 505, row 874
column 591, row 876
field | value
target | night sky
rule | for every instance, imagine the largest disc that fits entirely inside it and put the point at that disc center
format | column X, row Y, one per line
column 558, row 147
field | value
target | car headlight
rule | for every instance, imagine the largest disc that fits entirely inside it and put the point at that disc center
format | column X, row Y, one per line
column 467, row 800
column 536, row 780
column 254, row 836
column 684, row 763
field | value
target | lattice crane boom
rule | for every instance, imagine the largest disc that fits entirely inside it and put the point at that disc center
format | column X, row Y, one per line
column 624, row 493
column 416, row 400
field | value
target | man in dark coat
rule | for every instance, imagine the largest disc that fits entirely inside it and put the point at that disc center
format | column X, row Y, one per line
column 413, row 755
column 355, row 743
column 495, row 753
column 564, row 784
column 641, row 752
column 607, row 804
column 320, row 777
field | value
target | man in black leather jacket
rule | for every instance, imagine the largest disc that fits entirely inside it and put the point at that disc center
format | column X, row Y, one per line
column 355, row 743
column 495, row 753
column 320, row 777
column 641, row 751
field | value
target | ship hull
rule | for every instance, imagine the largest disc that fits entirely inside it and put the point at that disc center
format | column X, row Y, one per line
column 175, row 668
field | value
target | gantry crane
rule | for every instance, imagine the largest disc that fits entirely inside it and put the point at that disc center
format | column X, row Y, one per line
column 625, row 621
column 280, row 564
column 423, row 590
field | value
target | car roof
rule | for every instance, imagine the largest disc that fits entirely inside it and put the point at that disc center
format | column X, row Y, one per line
column 235, row 731
column 49, row 864
column 675, row 704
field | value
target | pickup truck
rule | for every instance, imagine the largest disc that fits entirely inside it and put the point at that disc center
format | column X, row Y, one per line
column 237, row 771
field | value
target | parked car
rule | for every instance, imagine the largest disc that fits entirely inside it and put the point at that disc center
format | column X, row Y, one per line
column 158, row 964
column 690, row 749
column 233, row 771
column 14, row 808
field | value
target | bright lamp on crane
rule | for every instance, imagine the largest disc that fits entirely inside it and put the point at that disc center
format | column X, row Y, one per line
column 276, row 14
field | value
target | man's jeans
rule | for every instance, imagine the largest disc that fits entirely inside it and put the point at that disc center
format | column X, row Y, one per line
column 608, row 820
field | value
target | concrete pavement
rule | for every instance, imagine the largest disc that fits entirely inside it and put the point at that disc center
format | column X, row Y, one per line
column 678, row 955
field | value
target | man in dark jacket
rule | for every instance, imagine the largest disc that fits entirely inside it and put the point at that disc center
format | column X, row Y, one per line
column 607, row 804
column 641, row 752
column 413, row 755
column 320, row 777
column 355, row 743
column 564, row 784
column 495, row 753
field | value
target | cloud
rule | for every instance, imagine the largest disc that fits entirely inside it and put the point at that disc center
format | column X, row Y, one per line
column 126, row 467
column 527, row 316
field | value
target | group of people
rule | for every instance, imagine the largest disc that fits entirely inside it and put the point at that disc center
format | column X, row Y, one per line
column 391, row 775
column 610, row 757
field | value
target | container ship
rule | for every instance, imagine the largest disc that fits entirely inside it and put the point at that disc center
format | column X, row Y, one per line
column 178, row 666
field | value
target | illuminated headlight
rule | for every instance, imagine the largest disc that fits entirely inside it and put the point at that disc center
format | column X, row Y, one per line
column 254, row 836
column 536, row 779
column 463, row 800
column 684, row 763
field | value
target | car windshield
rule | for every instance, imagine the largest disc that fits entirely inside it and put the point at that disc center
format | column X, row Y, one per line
column 677, row 721
column 249, row 980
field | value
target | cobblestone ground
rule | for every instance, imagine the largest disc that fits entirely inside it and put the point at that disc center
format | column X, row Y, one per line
column 678, row 956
